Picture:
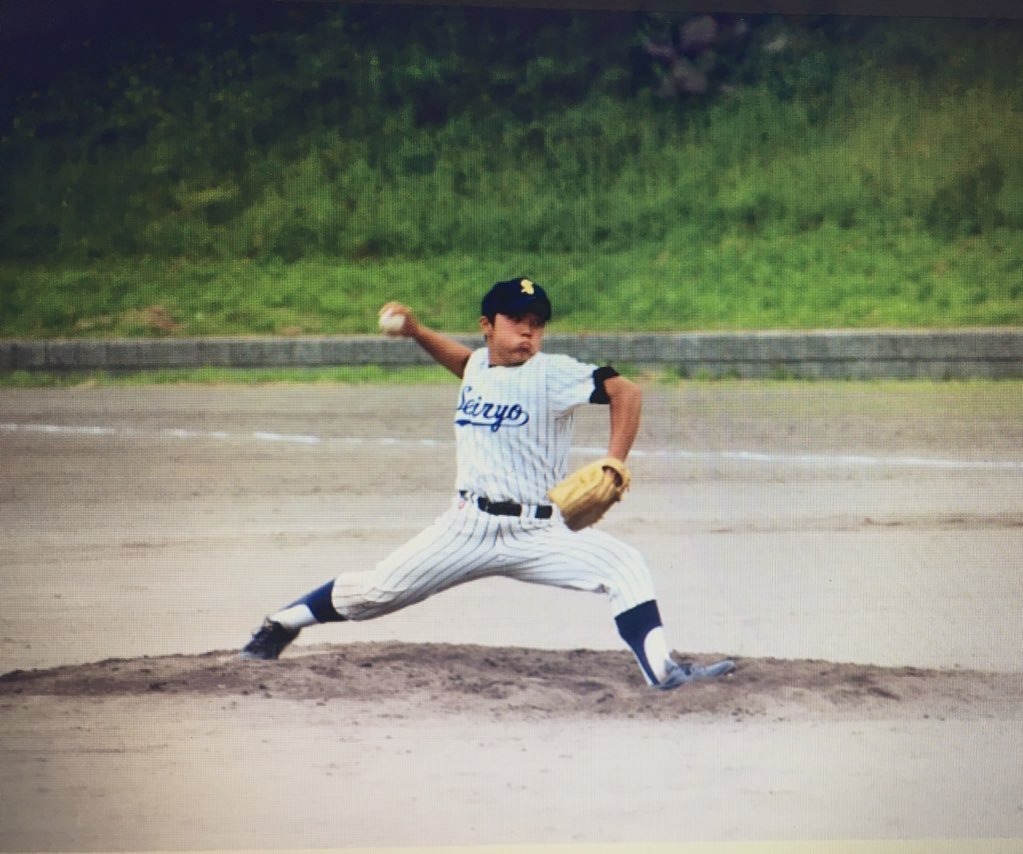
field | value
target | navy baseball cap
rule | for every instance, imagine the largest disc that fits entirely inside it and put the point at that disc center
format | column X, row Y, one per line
column 516, row 297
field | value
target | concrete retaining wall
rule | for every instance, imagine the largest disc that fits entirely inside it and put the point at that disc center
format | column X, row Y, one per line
column 951, row 354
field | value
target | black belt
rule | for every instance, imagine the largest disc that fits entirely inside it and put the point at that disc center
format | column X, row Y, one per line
column 509, row 508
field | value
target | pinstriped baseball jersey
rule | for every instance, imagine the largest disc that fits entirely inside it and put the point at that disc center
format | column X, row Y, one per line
column 513, row 425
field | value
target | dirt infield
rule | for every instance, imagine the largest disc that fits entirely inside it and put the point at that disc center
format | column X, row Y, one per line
column 856, row 547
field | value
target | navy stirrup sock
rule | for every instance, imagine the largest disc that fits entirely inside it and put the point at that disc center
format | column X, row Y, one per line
column 320, row 604
column 634, row 625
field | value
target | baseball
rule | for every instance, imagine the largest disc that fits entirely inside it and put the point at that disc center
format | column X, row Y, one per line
column 391, row 322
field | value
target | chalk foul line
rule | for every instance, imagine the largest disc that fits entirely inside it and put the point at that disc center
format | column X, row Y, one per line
column 752, row 457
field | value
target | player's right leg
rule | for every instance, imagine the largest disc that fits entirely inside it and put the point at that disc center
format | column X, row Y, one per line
column 446, row 553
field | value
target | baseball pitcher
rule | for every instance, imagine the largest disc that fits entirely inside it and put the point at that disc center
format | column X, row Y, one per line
column 516, row 512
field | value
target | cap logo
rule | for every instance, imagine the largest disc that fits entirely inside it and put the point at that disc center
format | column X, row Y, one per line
column 527, row 287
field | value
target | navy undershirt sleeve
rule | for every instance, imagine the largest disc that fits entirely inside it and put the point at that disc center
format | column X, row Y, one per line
column 601, row 376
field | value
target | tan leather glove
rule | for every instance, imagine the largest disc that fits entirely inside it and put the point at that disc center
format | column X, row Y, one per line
column 589, row 492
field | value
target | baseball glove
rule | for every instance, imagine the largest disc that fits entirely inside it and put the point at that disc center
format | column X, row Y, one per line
column 588, row 493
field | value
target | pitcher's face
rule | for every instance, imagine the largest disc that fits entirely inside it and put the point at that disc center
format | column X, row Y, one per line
column 513, row 340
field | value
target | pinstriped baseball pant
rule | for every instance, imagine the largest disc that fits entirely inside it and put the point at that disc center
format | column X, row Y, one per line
column 466, row 544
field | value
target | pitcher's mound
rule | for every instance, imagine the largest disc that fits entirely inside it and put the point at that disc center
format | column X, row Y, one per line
column 532, row 683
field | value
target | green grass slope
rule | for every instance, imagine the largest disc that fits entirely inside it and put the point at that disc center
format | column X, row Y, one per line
column 286, row 170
